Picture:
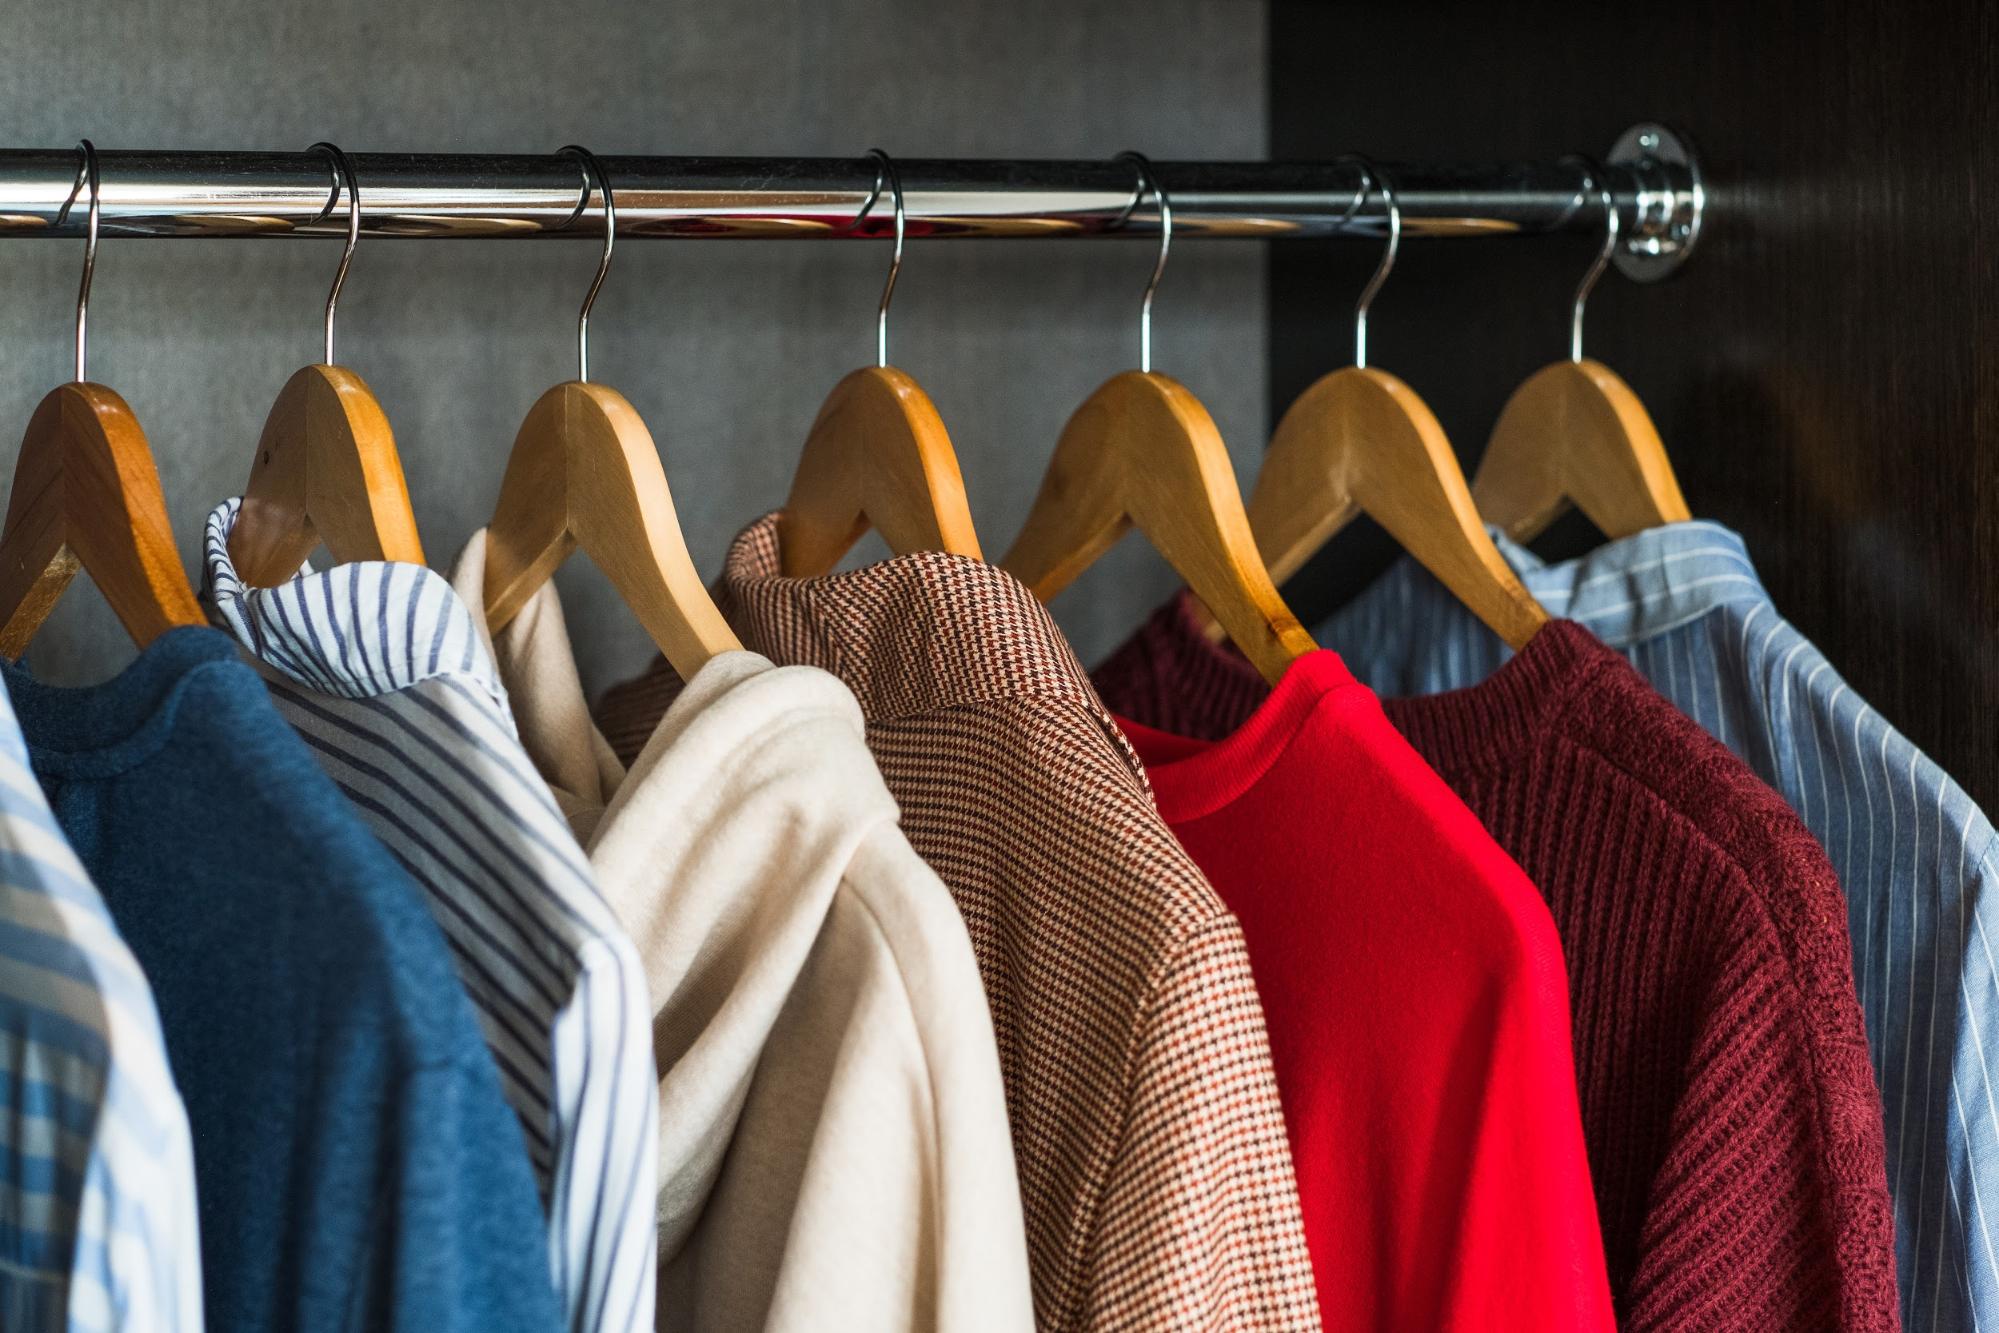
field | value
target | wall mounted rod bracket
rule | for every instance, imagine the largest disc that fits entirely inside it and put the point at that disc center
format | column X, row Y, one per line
column 1671, row 200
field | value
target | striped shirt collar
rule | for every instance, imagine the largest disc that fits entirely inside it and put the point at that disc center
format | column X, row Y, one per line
column 1643, row 585
column 326, row 629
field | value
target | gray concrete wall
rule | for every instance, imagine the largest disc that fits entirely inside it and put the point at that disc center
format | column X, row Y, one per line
column 727, row 349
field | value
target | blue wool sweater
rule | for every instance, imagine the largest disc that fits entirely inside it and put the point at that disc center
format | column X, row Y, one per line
column 356, row 1165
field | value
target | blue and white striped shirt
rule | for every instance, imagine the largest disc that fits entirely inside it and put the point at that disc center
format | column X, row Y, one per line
column 97, row 1209
column 1914, row 854
column 381, row 669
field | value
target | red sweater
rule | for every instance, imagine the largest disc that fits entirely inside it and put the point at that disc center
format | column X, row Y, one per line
column 1733, row 1128
column 1418, row 1012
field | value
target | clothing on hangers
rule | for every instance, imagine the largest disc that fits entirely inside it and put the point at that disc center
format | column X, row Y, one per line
column 381, row 669
column 96, row 1163
column 1418, row 1009
column 1138, row 1075
column 834, row 1144
column 1914, row 854
column 355, row 1161
column 1733, row 1129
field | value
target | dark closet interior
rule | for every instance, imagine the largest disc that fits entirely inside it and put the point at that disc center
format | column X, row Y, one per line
column 1822, row 370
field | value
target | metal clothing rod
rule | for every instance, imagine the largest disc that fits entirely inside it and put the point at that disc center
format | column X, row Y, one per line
column 1653, row 180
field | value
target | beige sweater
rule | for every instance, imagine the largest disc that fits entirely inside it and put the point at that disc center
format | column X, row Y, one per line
column 834, row 1150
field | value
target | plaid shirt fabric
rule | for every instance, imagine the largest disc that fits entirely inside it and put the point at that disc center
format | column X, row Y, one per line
column 1154, row 1168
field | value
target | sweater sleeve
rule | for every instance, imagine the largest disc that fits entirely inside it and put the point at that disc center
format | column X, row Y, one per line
column 1770, row 1210
column 459, row 1245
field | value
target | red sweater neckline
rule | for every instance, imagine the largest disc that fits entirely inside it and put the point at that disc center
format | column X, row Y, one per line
column 1192, row 777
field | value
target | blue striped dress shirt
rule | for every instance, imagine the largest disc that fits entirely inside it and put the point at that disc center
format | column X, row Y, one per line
column 381, row 669
column 97, row 1209
column 1913, row 853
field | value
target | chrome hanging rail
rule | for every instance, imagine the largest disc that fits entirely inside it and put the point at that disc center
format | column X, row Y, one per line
column 1653, row 180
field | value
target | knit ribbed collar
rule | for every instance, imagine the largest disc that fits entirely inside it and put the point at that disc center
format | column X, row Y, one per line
column 1503, row 716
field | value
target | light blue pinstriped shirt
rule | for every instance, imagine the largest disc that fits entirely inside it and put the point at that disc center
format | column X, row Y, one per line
column 97, row 1210
column 380, row 668
column 1915, row 856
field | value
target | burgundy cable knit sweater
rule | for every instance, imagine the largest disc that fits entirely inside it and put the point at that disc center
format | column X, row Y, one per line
column 1732, row 1125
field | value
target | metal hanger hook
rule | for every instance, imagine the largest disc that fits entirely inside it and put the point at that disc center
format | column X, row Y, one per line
column 343, row 178
column 1373, row 178
column 1592, row 180
column 1148, row 182
column 593, row 172
column 86, row 173
column 885, row 174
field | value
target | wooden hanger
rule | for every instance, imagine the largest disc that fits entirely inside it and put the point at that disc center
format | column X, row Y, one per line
column 326, row 469
column 584, row 472
column 877, row 456
column 1143, row 452
column 1575, row 432
column 86, row 494
column 1361, row 441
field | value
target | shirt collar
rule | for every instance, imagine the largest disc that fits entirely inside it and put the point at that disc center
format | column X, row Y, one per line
column 353, row 631
column 1642, row 585
column 538, row 666
column 911, row 634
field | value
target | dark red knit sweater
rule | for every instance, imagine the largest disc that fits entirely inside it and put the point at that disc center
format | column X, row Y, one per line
column 1732, row 1125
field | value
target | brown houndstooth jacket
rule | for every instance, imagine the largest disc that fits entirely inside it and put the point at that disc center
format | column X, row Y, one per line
column 1156, row 1176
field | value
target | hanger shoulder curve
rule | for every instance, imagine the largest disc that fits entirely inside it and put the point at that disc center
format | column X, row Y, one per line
column 584, row 471
column 1142, row 451
column 529, row 536
column 1362, row 441
column 1079, row 510
column 86, row 494
column 326, row 470
column 877, row 455
column 1574, row 431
